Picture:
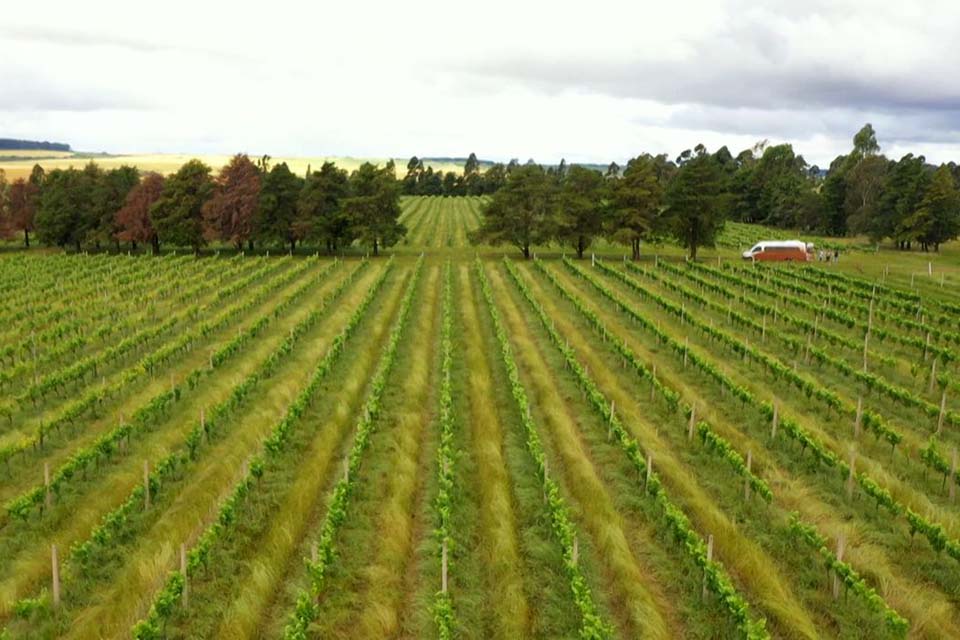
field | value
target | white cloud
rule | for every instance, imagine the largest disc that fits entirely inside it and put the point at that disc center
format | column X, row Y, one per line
column 501, row 78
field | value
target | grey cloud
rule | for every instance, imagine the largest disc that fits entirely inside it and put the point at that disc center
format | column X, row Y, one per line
column 33, row 92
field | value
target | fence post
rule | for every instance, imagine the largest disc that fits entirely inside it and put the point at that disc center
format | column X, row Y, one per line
column 933, row 374
column 693, row 420
column 776, row 420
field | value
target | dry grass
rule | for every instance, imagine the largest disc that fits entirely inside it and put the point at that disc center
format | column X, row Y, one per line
column 742, row 556
column 499, row 544
column 166, row 163
column 383, row 577
column 643, row 608
column 303, row 504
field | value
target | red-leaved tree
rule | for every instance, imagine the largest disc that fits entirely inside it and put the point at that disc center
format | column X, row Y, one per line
column 133, row 219
column 23, row 207
column 230, row 214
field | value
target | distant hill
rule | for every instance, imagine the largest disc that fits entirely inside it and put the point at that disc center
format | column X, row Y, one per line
column 32, row 145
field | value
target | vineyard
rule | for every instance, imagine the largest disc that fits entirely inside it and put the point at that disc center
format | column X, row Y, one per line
column 455, row 443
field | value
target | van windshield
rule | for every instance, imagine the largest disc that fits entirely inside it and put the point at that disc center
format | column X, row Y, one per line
column 756, row 249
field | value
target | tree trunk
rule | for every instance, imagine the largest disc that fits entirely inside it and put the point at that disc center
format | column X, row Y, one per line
column 133, row 246
column 635, row 248
column 26, row 238
column 293, row 244
column 155, row 242
column 376, row 248
column 526, row 252
column 580, row 248
column 250, row 245
column 77, row 244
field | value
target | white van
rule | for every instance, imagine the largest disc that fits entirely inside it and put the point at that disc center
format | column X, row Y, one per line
column 780, row 250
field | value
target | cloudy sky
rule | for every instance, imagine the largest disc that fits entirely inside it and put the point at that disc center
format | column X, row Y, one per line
column 588, row 81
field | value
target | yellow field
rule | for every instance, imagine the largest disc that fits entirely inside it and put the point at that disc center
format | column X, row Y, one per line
column 168, row 163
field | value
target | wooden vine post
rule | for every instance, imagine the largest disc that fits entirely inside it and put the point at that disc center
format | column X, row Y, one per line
column 653, row 382
column 746, row 480
column 703, row 593
column 943, row 411
column 48, row 496
column 649, row 469
column 953, row 476
column 443, row 567
column 55, row 567
column 858, row 422
column 841, row 544
column 776, row 421
column 146, row 484
column 693, row 421
column 933, row 374
column 183, row 570
column 850, row 475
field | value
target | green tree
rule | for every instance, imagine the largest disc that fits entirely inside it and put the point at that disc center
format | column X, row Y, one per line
column 411, row 181
column 109, row 193
column 63, row 209
column 581, row 208
column 697, row 202
column 279, row 199
column 320, row 211
column 493, row 179
column 523, row 213
column 373, row 206
column 177, row 216
column 635, row 202
column 937, row 220
column 906, row 182
column 866, row 183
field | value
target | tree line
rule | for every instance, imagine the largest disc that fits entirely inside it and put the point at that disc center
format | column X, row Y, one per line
column 245, row 203
column 424, row 181
column 688, row 199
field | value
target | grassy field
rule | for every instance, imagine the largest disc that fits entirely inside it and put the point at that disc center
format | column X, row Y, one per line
column 165, row 163
column 453, row 442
